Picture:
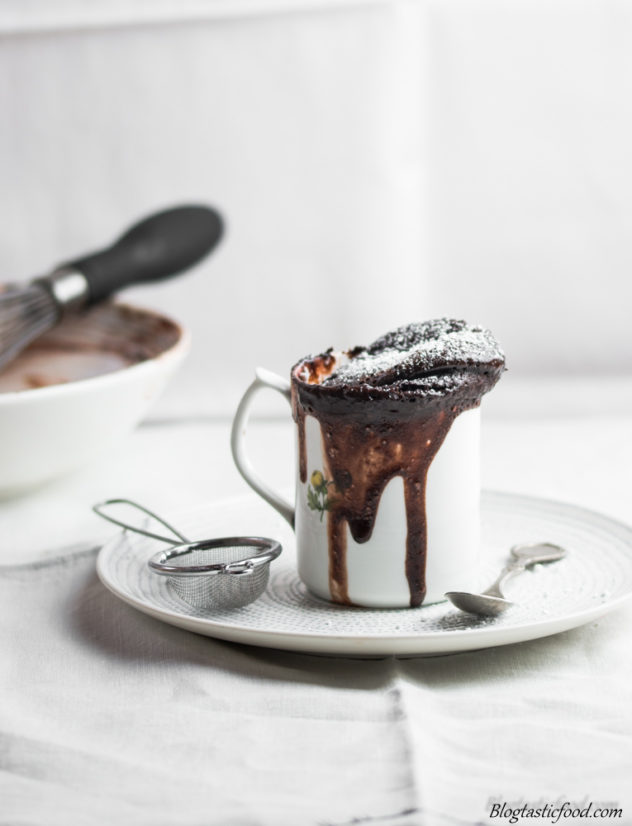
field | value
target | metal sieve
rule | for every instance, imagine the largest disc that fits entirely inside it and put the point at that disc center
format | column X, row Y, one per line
column 226, row 572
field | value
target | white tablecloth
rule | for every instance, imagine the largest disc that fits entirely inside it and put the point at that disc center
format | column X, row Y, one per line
column 108, row 716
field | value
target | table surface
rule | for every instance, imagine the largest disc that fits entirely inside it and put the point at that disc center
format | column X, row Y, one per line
column 107, row 715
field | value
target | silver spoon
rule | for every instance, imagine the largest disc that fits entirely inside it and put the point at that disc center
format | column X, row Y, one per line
column 492, row 601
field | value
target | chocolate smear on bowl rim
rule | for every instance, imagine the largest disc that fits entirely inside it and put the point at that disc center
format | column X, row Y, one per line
column 384, row 411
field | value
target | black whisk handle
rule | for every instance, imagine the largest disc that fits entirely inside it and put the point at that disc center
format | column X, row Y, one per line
column 160, row 246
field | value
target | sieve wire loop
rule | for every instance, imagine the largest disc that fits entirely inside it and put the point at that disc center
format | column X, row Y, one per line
column 99, row 510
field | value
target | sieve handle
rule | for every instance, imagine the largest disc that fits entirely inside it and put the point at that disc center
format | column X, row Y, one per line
column 264, row 380
column 100, row 510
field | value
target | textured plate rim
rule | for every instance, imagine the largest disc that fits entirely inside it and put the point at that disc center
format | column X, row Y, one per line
column 386, row 644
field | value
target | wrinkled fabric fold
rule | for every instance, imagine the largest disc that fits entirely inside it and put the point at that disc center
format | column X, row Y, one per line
column 107, row 715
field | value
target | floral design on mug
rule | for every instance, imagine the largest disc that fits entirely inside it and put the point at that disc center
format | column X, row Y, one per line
column 318, row 498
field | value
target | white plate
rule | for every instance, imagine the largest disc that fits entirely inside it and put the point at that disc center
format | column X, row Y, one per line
column 595, row 577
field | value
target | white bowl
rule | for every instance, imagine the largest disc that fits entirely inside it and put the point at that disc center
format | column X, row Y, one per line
column 75, row 391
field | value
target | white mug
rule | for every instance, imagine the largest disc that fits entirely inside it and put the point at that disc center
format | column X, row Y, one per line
column 373, row 571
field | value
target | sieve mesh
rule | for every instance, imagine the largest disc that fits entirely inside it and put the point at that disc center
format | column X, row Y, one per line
column 219, row 590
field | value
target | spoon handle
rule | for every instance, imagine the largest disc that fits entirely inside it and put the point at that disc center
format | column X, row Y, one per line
column 511, row 569
column 522, row 557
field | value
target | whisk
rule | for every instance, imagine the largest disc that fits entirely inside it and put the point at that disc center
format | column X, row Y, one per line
column 161, row 245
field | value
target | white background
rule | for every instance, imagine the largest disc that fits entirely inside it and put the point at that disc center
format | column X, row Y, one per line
column 377, row 162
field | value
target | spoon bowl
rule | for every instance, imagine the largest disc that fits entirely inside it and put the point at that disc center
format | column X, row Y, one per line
column 492, row 602
column 482, row 605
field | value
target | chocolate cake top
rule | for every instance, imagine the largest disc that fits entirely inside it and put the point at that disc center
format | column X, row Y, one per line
column 432, row 360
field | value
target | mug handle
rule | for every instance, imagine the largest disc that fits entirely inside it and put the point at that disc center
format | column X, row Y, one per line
column 263, row 379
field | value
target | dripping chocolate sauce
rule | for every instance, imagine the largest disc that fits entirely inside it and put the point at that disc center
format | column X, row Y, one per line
column 371, row 435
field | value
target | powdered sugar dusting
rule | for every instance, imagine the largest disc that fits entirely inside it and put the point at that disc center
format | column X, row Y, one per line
column 432, row 356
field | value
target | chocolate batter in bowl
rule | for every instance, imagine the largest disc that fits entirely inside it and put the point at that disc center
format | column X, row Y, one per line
column 105, row 338
column 384, row 411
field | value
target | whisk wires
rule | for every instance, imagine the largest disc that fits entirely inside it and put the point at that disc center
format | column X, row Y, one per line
column 25, row 313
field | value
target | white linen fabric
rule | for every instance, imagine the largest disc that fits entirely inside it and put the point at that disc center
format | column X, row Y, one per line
column 110, row 716
column 107, row 715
